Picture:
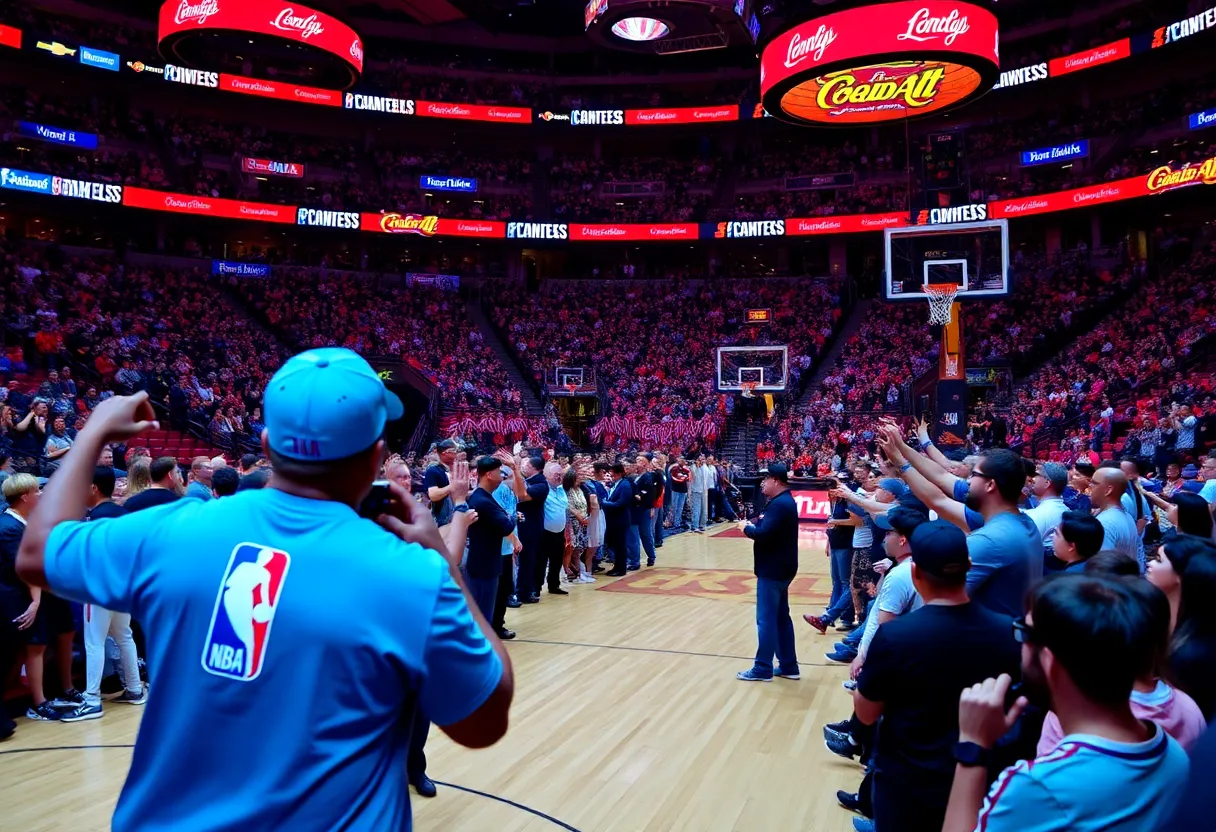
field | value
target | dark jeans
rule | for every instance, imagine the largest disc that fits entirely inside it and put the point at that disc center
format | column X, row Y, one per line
column 903, row 804
column 841, row 604
column 774, row 626
column 715, row 503
column 415, row 763
column 658, row 528
column 484, row 592
column 646, row 535
column 552, row 548
column 614, row 542
column 506, row 587
column 529, row 557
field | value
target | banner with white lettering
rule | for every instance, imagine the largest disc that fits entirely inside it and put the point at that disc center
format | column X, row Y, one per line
column 57, row 135
column 819, row 181
column 237, row 269
column 1058, row 153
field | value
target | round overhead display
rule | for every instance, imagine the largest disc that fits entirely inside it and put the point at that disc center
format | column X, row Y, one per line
column 881, row 62
column 191, row 31
column 640, row 29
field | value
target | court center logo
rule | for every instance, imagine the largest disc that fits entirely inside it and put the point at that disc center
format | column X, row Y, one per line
column 245, row 607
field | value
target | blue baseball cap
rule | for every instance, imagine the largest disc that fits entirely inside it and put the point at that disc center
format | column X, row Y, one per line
column 327, row 404
column 894, row 487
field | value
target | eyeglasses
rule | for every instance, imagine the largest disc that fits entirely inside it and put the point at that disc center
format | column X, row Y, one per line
column 981, row 474
column 1023, row 633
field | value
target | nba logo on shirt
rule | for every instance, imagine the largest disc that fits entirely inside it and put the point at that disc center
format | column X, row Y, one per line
column 244, row 610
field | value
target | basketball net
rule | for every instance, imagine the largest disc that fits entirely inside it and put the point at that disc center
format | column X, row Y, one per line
column 748, row 389
column 571, row 387
column 941, row 301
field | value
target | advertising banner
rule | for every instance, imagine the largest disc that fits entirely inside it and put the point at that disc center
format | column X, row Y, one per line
column 819, row 181
column 447, row 183
column 490, row 229
column 1198, row 121
column 1059, row 153
column 279, row 90
column 683, row 115
column 603, row 232
column 448, row 282
column 295, row 170
column 950, row 428
column 10, row 36
column 1184, row 28
column 378, row 104
column 844, row 224
column 289, row 21
column 100, row 58
column 233, row 209
column 23, row 180
column 475, row 112
column 1097, row 56
column 814, row 504
column 82, row 189
column 856, row 67
column 1064, row 200
column 237, row 269
column 57, row 135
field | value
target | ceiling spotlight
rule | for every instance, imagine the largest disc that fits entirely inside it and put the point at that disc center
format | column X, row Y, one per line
column 640, row 29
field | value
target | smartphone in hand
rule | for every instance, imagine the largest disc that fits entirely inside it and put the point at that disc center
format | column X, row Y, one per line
column 377, row 501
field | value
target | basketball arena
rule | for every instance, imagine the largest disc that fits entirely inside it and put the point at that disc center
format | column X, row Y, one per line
column 638, row 416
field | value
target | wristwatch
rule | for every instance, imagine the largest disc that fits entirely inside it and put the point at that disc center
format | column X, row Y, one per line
column 971, row 755
column 463, row 507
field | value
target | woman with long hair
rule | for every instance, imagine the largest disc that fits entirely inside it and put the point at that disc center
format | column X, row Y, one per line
column 578, row 518
column 139, row 477
column 1186, row 573
column 1187, row 513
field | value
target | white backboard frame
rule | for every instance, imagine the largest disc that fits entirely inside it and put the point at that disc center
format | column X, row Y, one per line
column 726, row 385
column 925, row 230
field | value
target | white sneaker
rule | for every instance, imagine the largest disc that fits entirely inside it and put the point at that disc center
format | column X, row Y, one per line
column 586, row 579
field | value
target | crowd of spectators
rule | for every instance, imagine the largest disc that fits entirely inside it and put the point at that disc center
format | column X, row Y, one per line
column 426, row 327
column 1144, row 343
column 653, row 345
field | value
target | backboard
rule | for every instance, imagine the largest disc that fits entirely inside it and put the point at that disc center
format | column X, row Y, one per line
column 766, row 367
column 971, row 255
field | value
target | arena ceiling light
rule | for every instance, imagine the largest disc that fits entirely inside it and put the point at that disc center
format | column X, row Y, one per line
column 881, row 62
column 640, row 29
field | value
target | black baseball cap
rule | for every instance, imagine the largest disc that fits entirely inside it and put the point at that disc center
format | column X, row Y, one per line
column 940, row 548
column 447, row 445
column 900, row 519
column 778, row 471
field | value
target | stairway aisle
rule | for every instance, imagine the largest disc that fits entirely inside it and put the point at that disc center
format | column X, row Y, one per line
column 828, row 363
column 532, row 405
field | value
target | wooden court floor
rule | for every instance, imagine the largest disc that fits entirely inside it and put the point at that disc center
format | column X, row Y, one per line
column 627, row 718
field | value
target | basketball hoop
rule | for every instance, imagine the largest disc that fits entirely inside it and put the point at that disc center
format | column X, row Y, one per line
column 749, row 388
column 941, row 301
column 571, row 387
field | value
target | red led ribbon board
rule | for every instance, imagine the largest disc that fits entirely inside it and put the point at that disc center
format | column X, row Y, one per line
column 683, row 115
column 613, row 231
column 279, row 90
column 845, row 224
column 287, row 21
column 474, row 112
column 10, row 37
column 878, row 63
column 1097, row 56
column 233, row 209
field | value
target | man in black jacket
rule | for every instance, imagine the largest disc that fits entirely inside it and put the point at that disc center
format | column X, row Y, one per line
column 484, row 564
column 643, row 513
column 776, row 552
column 617, row 520
column 532, row 507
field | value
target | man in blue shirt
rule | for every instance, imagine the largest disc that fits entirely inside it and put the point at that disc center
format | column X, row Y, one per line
column 292, row 638
column 507, row 496
column 200, row 478
column 553, row 539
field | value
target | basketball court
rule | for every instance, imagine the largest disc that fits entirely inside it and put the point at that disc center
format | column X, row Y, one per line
column 627, row 717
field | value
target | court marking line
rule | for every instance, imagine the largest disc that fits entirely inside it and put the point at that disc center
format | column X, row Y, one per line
column 660, row 650
column 509, row 802
column 478, row 792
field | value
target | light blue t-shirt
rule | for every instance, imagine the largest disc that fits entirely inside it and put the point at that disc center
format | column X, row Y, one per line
column 1006, row 560
column 555, row 510
column 198, row 491
column 504, row 495
column 1089, row 784
column 289, row 640
column 1120, row 533
column 1208, row 492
